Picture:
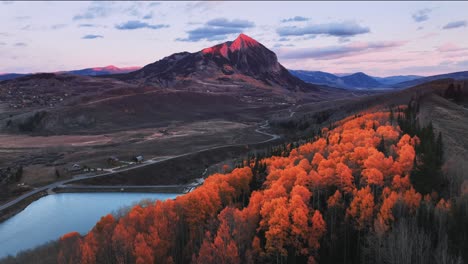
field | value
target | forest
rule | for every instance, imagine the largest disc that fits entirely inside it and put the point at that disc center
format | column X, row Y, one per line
column 368, row 189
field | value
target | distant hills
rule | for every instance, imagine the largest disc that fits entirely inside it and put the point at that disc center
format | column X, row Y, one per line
column 243, row 62
column 463, row 75
column 360, row 80
column 239, row 79
column 357, row 80
column 9, row 76
column 95, row 71
column 391, row 80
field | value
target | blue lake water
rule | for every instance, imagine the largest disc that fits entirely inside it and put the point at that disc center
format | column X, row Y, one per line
column 54, row 215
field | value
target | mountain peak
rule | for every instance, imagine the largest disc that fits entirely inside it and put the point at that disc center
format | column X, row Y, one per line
column 359, row 74
column 106, row 68
column 243, row 41
column 241, row 59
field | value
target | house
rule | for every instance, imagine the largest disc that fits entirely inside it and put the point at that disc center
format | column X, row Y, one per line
column 138, row 159
column 74, row 167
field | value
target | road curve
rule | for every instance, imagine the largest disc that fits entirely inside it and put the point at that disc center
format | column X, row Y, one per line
column 145, row 163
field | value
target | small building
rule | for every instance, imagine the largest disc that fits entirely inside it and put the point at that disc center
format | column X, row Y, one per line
column 113, row 160
column 138, row 159
column 74, row 167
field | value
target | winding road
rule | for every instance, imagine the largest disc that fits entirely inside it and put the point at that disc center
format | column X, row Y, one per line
column 62, row 183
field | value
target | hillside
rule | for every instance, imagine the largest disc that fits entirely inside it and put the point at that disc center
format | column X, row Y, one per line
column 352, row 81
column 363, row 81
column 454, row 75
column 9, row 76
column 360, row 80
column 390, row 80
column 318, row 77
column 242, row 73
column 346, row 195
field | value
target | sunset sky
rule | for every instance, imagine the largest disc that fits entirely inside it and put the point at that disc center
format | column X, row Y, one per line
column 378, row 38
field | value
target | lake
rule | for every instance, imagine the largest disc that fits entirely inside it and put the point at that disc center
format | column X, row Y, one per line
column 54, row 215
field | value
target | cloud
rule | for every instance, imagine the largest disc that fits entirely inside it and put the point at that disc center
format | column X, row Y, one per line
column 135, row 24
column 450, row 47
column 455, row 24
column 235, row 23
column 87, row 25
column 421, row 15
column 462, row 63
column 294, row 19
column 20, row 44
column 344, row 40
column 283, row 39
column 342, row 29
column 209, row 33
column 135, row 8
column 201, row 6
column 429, row 35
column 438, row 68
column 2, row 43
column 217, row 29
column 22, row 17
column 101, row 9
column 148, row 16
column 279, row 45
column 335, row 52
column 96, row 9
column 92, row 36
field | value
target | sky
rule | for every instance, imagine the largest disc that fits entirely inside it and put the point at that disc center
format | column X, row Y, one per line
column 378, row 38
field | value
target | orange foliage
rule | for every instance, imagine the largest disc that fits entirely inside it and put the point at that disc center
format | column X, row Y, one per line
column 335, row 200
column 361, row 208
column 70, row 248
column 401, row 183
column 143, row 253
column 412, row 199
column 385, row 216
column 319, row 228
column 443, row 205
column 223, row 221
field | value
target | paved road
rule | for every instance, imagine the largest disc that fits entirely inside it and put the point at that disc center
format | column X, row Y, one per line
column 184, row 188
column 143, row 164
column 71, row 186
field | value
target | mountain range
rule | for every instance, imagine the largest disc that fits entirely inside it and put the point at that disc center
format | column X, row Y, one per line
column 95, row 71
column 238, row 79
column 241, row 62
column 361, row 80
column 357, row 80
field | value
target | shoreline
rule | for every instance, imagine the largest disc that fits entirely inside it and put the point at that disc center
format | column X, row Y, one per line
column 17, row 208
column 57, row 187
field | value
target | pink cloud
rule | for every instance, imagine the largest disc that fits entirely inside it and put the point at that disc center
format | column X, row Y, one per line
column 450, row 47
